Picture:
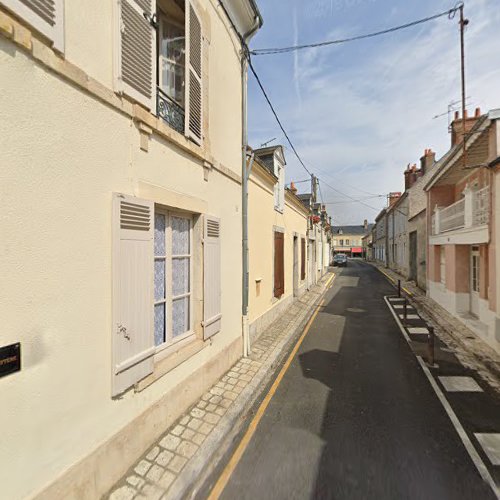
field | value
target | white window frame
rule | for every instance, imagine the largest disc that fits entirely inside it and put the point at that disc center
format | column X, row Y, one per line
column 164, row 18
column 170, row 342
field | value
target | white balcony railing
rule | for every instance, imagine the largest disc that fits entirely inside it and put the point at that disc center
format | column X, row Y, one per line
column 452, row 217
column 470, row 211
column 481, row 208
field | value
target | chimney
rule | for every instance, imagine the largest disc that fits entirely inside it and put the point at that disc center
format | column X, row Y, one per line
column 293, row 189
column 456, row 125
column 407, row 177
column 427, row 161
column 393, row 198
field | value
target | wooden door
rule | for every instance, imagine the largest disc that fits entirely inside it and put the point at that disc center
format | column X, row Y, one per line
column 279, row 264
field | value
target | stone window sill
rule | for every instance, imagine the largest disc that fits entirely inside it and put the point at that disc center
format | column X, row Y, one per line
column 165, row 363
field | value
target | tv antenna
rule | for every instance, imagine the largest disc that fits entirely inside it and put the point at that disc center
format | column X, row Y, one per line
column 452, row 106
column 264, row 144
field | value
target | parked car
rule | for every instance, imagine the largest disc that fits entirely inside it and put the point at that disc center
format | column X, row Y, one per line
column 340, row 259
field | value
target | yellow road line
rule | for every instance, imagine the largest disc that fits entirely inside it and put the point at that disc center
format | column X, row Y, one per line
column 394, row 281
column 329, row 283
column 233, row 462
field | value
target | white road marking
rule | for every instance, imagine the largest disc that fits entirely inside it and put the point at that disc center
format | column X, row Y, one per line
column 409, row 316
column 491, row 446
column 418, row 330
column 460, row 384
column 480, row 465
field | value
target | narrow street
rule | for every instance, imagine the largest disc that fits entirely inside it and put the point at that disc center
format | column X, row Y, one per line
column 355, row 416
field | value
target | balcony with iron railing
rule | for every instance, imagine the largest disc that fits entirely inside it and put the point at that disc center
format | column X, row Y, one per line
column 465, row 215
column 170, row 111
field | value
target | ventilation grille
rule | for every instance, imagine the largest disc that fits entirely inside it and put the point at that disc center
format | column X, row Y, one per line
column 43, row 8
column 135, row 217
column 213, row 228
column 137, row 46
column 194, row 106
column 194, row 41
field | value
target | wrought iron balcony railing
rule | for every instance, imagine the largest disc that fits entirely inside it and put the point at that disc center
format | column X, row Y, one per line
column 170, row 111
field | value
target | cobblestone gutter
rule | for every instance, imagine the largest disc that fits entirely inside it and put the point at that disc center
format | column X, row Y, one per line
column 186, row 454
column 472, row 352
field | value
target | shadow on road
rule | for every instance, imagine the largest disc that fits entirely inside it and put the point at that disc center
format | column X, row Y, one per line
column 385, row 433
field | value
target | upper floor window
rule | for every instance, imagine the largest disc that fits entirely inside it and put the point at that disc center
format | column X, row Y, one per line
column 161, row 59
column 171, row 59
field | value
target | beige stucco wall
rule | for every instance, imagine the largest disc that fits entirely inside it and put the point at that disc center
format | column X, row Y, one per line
column 263, row 219
column 63, row 155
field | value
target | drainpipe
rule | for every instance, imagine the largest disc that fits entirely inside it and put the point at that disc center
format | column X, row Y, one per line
column 245, row 171
column 245, row 174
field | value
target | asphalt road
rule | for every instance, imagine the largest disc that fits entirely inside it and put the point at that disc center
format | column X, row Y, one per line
column 355, row 417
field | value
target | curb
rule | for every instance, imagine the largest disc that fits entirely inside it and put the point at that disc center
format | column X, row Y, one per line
column 217, row 444
column 487, row 363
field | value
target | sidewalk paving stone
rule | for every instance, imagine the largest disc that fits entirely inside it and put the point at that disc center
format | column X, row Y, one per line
column 168, row 467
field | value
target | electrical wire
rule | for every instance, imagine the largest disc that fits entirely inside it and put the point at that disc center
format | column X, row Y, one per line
column 354, row 201
column 450, row 13
column 282, row 50
column 276, row 115
column 350, row 197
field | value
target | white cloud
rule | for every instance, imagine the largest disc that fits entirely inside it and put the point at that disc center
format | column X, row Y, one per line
column 360, row 122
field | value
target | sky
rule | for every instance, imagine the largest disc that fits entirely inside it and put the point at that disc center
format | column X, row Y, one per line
column 359, row 113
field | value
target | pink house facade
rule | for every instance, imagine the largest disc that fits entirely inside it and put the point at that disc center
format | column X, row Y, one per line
column 463, row 200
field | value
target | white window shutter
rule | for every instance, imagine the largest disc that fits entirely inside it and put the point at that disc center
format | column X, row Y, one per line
column 46, row 16
column 137, row 51
column 194, row 81
column 211, row 277
column 132, row 332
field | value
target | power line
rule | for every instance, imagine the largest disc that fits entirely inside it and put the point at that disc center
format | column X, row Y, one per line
column 276, row 115
column 282, row 50
column 450, row 13
column 354, row 201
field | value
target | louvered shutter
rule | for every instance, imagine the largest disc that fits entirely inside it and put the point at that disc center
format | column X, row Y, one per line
column 132, row 332
column 137, row 52
column 46, row 16
column 211, row 277
column 194, row 84
column 279, row 265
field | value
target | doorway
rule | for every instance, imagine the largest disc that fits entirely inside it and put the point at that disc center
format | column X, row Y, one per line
column 413, row 256
column 474, row 281
column 295, row 266
column 311, row 262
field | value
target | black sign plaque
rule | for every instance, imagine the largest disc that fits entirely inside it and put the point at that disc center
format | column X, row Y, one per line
column 10, row 359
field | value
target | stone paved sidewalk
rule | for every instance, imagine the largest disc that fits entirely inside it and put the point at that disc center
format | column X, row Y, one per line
column 191, row 447
column 472, row 352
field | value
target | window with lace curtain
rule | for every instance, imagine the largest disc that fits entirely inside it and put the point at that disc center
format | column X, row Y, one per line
column 172, row 277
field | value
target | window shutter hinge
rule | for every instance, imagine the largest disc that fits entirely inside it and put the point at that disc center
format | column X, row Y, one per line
column 151, row 19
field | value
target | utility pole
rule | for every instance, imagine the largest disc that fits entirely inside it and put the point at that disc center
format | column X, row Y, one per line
column 463, row 23
column 314, row 188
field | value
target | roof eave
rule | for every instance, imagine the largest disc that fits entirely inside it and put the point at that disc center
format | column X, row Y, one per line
column 454, row 153
column 244, row 15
